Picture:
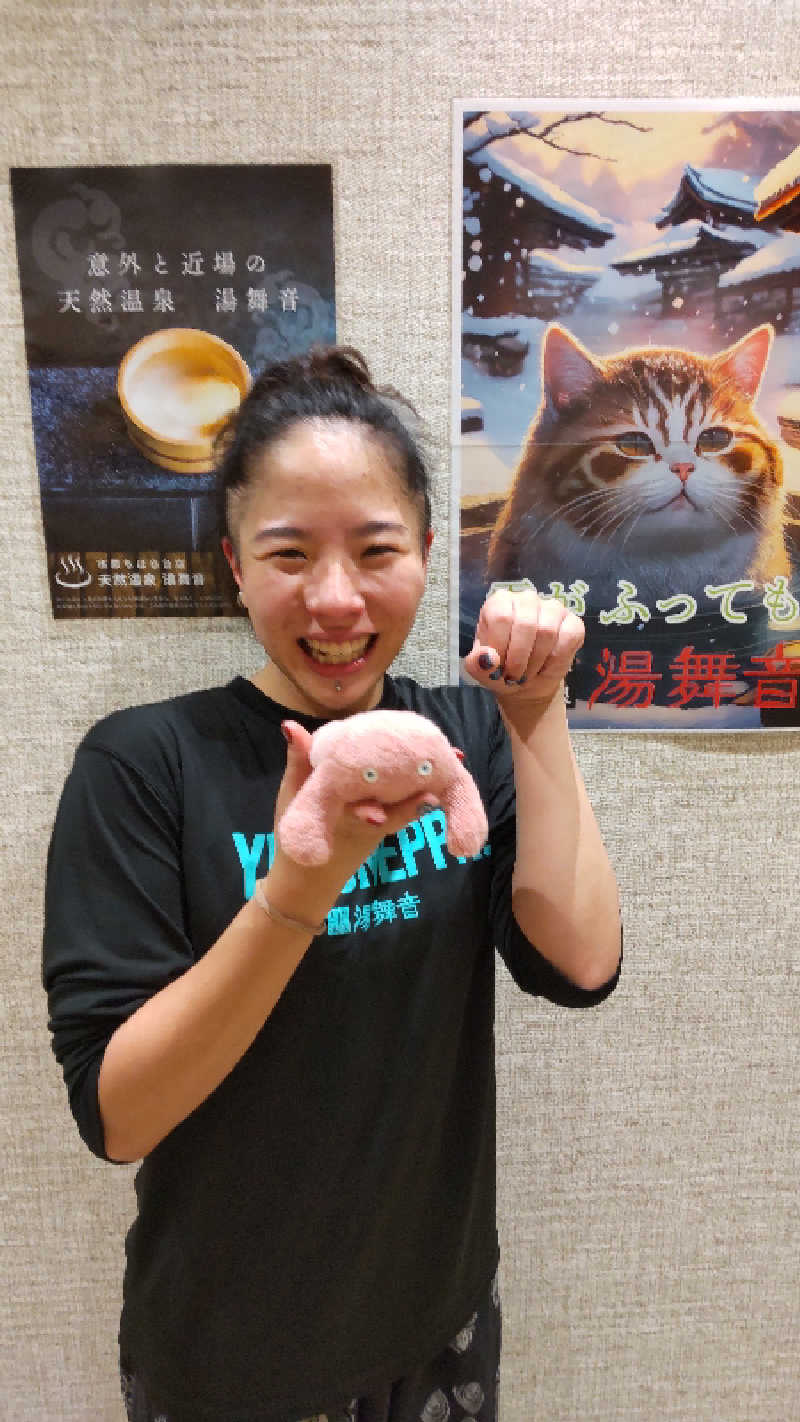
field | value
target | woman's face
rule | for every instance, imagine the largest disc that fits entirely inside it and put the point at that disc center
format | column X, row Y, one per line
column 329, row 564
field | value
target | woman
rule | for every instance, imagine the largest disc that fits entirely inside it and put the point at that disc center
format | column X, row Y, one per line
column 303, row 1059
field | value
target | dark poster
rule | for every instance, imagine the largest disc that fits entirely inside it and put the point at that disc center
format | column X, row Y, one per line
column 151, row 296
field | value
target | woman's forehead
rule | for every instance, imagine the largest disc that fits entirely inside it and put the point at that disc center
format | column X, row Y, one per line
column 327, row 447
column 329, row 464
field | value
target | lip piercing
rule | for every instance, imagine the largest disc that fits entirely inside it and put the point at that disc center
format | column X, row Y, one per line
column 337, row 686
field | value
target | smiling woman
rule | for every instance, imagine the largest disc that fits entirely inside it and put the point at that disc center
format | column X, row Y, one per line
column 304, row 1059
column 332, row 585
column 330, row 593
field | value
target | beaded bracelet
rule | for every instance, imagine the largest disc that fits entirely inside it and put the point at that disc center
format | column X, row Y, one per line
column 283, row 918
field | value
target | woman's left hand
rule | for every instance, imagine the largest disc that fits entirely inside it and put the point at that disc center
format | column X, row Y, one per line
column 524, row 646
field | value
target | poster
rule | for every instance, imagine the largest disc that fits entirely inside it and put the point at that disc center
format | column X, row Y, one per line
column 150, row 297
column 626, row 401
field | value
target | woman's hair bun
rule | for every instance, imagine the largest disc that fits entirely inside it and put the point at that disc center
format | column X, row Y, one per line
column 325, row 364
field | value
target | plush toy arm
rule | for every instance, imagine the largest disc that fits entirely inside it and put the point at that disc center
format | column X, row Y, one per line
column 467, row 826
column 306, row 829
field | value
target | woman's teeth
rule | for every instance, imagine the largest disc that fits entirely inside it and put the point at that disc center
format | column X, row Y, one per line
column 336, row 653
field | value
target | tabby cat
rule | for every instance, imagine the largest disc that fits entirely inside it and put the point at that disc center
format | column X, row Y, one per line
column 650, row 465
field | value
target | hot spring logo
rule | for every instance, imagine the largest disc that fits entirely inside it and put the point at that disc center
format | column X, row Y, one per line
column 71, row 573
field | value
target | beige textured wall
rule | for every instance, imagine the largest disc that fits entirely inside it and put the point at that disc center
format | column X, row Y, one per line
column 649, row 1150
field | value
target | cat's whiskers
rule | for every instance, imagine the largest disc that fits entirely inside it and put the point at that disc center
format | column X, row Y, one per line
column 592, row 497
column 602, row 512
column 558, row 513
column 607, row 530
column 744, row 518
column 620, row 523
column 617, row 495
column 634, row 522
column 603, row 521
column 588, row 496
column 612, row 515
column 622, row 504
column 601, row 498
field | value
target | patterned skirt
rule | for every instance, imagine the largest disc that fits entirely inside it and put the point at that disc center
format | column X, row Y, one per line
column 459, row 1385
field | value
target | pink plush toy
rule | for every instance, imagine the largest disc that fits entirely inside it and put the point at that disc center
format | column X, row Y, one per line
column 383, row 756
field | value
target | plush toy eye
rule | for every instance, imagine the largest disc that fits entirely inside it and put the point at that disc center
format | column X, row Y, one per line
column 370, row 774
column 425, row 767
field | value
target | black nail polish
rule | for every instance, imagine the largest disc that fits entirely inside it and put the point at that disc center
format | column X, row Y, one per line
column 485, row 661
column 496, row 675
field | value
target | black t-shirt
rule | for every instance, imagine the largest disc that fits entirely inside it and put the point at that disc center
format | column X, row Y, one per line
column 325, row 1220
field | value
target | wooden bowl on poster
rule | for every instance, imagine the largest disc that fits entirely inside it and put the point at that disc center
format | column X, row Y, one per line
column 177, row 388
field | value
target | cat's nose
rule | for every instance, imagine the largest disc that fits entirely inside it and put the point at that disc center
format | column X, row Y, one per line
column 682, row 470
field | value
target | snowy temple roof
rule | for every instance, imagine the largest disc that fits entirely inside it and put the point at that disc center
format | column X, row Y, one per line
column 689, row 233
column 548, row 261
column 716, row 187
column 514, row 160
column 778, row 185
column 782, row 254
column 685, row 238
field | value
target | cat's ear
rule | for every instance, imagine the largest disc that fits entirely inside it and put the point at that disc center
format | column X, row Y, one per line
column 744, row 364
column 568, row 369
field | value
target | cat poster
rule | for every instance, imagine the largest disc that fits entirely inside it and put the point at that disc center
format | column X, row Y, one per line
column 149, row 295
column 626, row 401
